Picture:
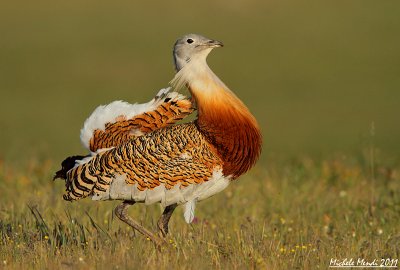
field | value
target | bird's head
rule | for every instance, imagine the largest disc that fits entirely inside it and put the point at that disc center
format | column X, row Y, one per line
column 193, row 47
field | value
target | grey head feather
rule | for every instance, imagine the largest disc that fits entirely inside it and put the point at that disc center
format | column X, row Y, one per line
column 190, row 46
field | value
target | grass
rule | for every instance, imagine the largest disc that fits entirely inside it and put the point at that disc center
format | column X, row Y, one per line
column 286, row 214
column 321, row 77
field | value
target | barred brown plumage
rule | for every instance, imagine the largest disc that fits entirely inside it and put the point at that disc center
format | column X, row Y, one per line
column 177, row 155
column 140, row 154
column 166, row 114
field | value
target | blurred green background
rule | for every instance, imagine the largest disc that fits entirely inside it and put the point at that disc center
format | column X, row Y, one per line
column 320, row 76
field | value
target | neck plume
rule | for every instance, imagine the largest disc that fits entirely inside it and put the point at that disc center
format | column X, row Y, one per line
column 222, row 117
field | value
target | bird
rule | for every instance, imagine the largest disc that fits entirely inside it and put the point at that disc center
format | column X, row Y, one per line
column 139, row 153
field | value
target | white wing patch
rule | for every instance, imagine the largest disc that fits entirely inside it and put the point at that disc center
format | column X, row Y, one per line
column 104, row 114
column 120, row 190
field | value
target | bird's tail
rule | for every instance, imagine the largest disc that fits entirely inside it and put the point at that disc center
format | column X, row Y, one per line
column 67, row 165
column 86, row 176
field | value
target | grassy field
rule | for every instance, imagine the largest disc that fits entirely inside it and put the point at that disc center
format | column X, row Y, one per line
column 322, row 78
column 287, row 214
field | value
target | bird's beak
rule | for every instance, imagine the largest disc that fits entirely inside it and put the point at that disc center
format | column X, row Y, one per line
column 214, row 44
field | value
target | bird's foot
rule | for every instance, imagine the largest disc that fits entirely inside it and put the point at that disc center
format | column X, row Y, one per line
column 162, row 223
column 162, row 229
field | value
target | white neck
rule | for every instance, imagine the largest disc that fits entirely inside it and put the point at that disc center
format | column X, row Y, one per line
column 196, row 74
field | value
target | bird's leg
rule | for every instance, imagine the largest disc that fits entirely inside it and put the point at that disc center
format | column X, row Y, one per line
column 164, row 219
column 121, row 213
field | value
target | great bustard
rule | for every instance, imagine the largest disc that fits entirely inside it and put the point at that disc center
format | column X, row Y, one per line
column 139, row 154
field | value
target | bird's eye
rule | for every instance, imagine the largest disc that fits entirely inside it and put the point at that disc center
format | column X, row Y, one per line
column 189, row 40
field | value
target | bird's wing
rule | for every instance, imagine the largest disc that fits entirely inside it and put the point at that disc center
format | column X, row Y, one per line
column 173, row 165
column 113, row 124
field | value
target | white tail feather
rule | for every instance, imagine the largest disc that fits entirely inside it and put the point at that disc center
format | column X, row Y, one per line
column 190, row 206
